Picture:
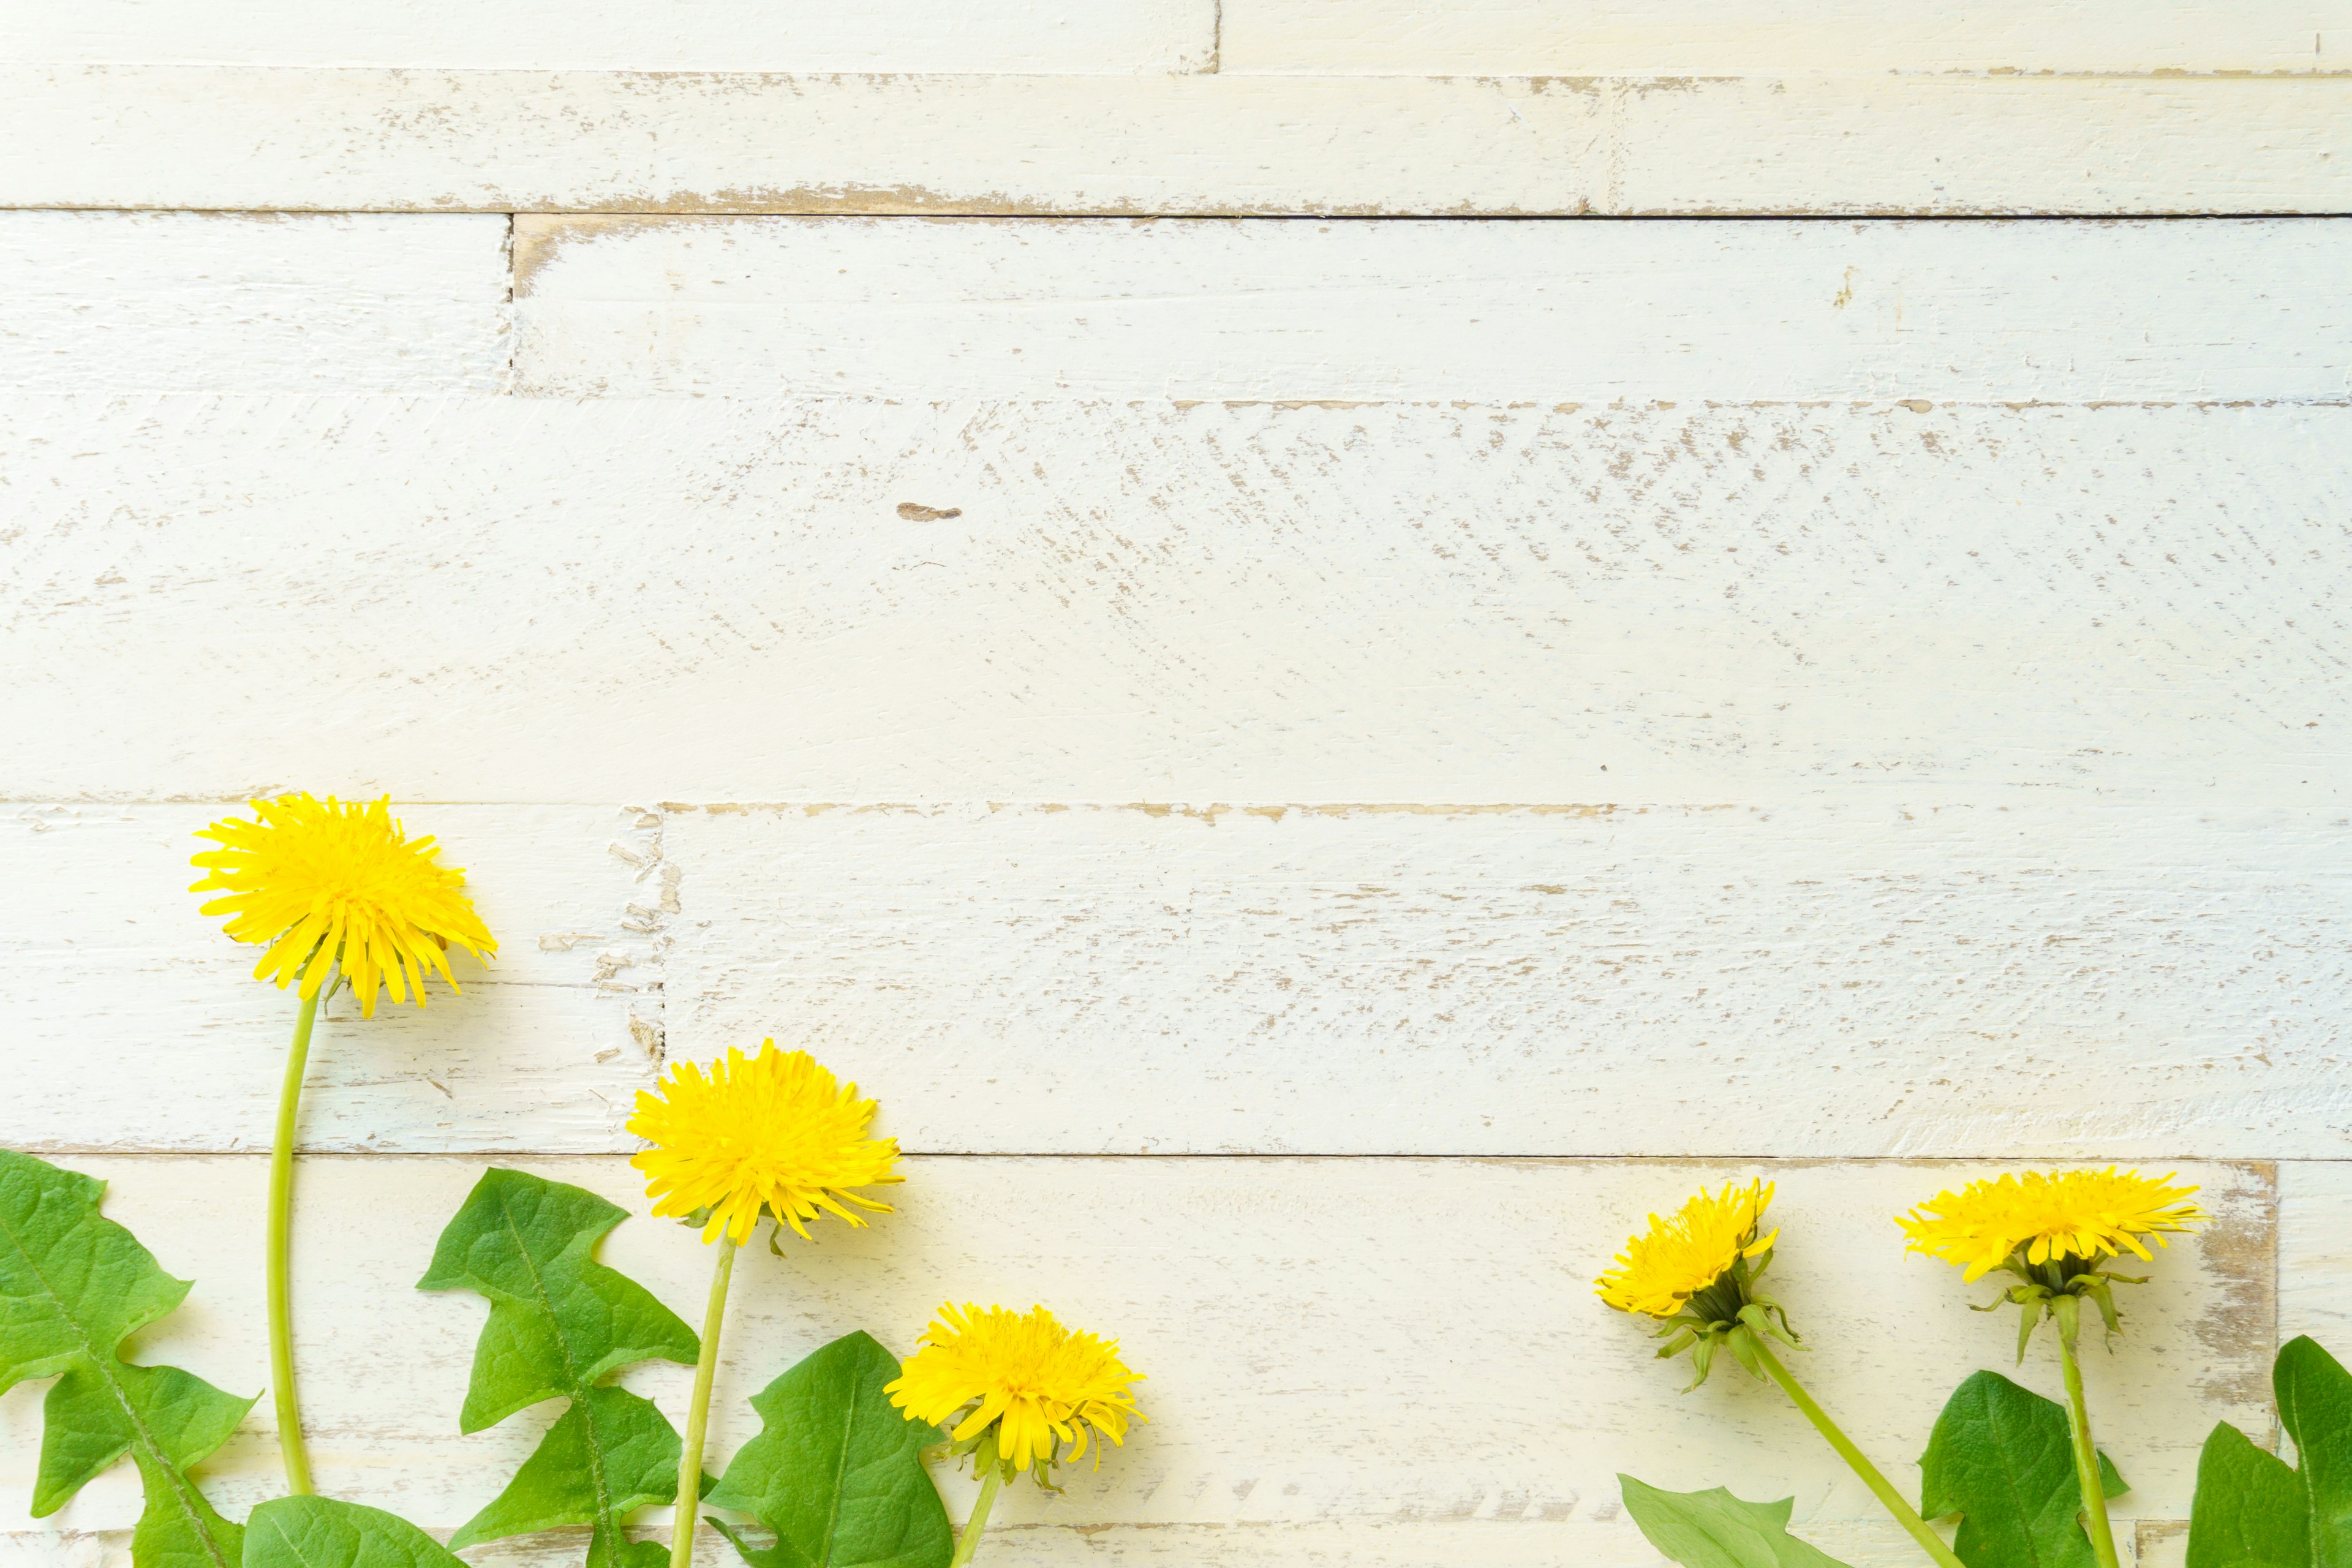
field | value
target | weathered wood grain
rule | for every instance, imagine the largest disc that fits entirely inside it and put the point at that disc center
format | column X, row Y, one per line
column 2316, row 1253
column 711, row 600
column 104, row 959
column 1594, row 313
column 703, row 35
column 130, row 303
column 1799, row 981
column 1396, row 1358
column 1533, row 37
column 1583, row 980
column 226, row 136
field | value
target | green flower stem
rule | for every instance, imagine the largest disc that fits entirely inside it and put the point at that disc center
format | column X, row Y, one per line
column 1880, row 1487
column 2067, row 1309
column 698, row 1414
column 281, row 1288
column 969, row 1542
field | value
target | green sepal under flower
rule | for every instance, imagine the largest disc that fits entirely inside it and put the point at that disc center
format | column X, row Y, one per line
column 1727, row 1313
column 2057, row 1289
column 981, row 1450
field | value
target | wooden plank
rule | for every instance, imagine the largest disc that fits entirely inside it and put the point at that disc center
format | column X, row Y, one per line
column 1595, row 313
column 713, row 600
column 1268, row 1295
column 123, row 302
column 103, row 956
column 601, row 34
column 1575, row 980
column 223, row 136
column 1537, row 37
column 1567, row 981
column 1975, row 144
column 2316, row 1253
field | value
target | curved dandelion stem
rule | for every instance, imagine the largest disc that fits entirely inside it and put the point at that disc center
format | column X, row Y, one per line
column 2067, row 1311
column 280, row 1291
column 969, row 1542
column 698, row 1414
column 1856, row 1460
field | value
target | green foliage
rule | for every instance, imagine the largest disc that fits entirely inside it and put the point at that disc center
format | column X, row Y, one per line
column 2001, row 1460
column 1715, row 1530
column 560, row 1323
column 836, row 1472
column 73, row 1286
column 2253, row 1510
column 320, row 1532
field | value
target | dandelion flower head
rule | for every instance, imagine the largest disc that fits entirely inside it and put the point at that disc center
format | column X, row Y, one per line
column 1682, row 1256
column 2080, row 1215
column 773, row 1133
column 1047, row 1385
column 323, row 882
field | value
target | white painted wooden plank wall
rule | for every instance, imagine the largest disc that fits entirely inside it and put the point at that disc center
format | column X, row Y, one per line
column 1598, row 313
column 1539, row 37
column 1245, row 604
column 126, row 302
column 1411, row 37
column 1025, row 36
column 1798, row 981
column 1865, row 144
column 1725, row 693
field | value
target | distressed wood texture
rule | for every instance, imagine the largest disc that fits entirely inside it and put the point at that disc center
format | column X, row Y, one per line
column 1488, row 312
column 710, row 600
column 1805, row 981
column 233, row 137
column 1408, row 37
column 2315, row 1253
column 1543, row 37
column 1318, row 1391
column 102, row 953
column 122, row 302
column 1571, row 982
column 1112, row 35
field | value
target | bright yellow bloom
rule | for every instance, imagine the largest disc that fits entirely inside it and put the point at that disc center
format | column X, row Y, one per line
column 2085, row 1214
column 1681, row 1256
column 773, row 1132
column 321, row 883
column 1047, row 1385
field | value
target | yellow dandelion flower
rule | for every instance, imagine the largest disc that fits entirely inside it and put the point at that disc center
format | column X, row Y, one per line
column 1040, row 1384
column 323, row 882
column 773, row 1133
column 1658, row 1273
column 2053, row 1218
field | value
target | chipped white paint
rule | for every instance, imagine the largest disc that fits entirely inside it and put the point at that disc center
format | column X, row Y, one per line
column 1265, row 1300
column 1543, row 37
column 1959, row 755
column 2315, row 1253
column 136, row 136
column 1026, row 36
column 711, row 600
column 125, row 302
column 102, row 953
column 1595, row 313
column 1800, row 982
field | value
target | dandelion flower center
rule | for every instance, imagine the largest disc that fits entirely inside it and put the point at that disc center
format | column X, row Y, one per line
column 322, row 883
column 2053, row 1217
column 1678, row 1257
column 1046, row 1384
column 774, row 1132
